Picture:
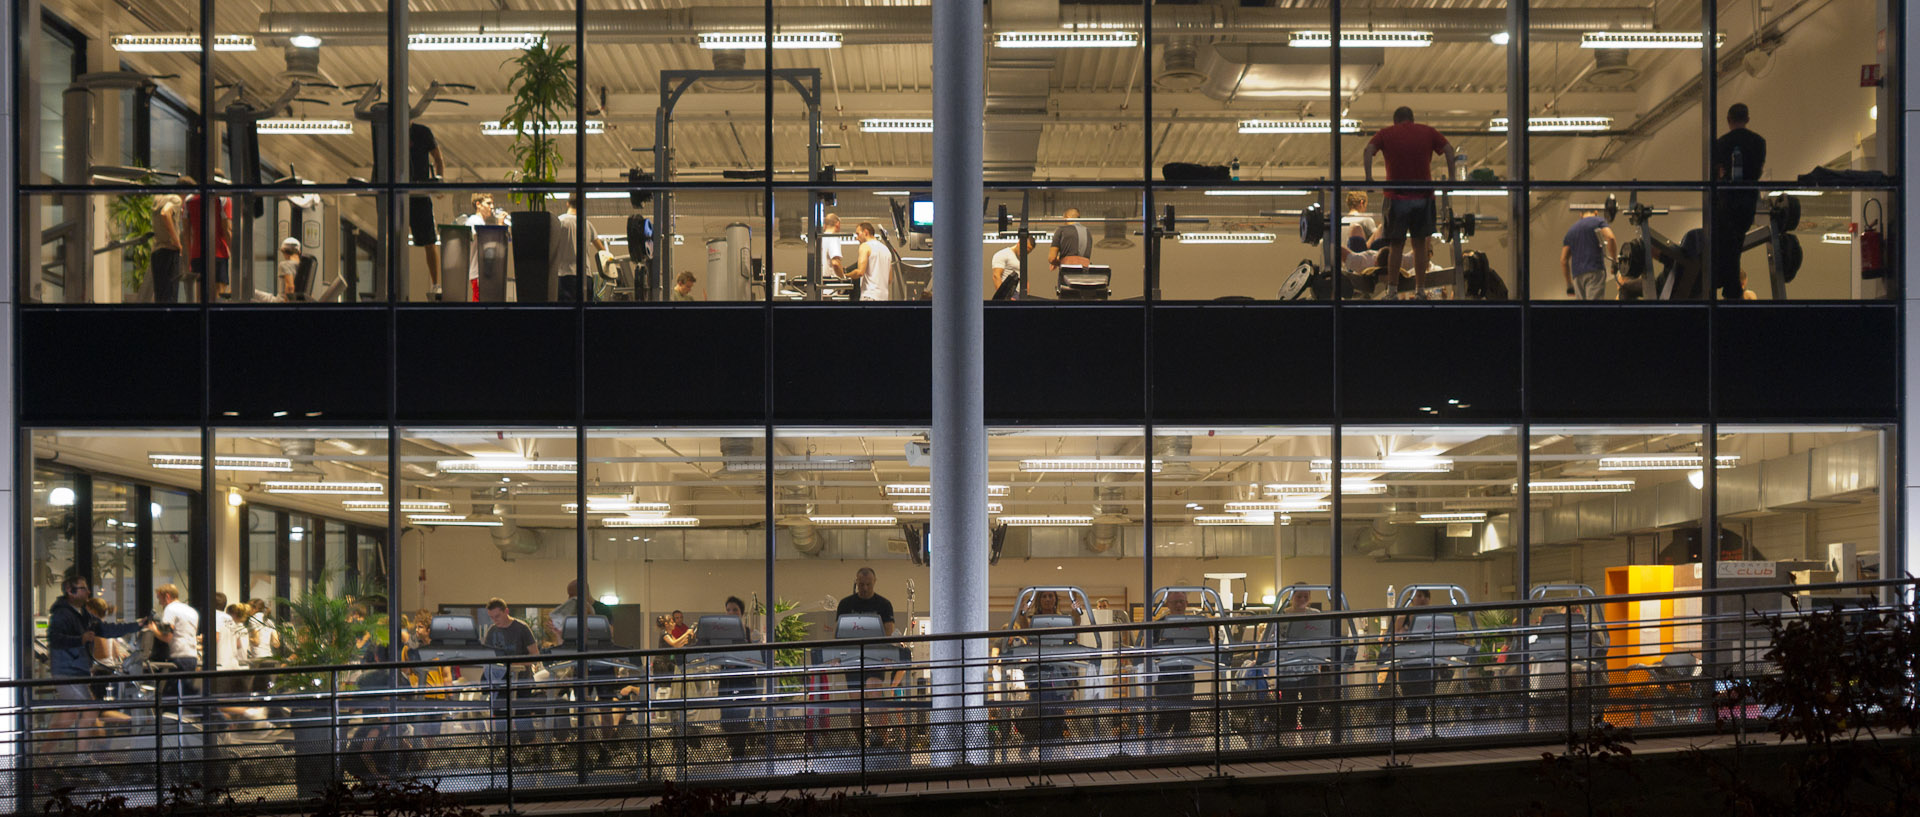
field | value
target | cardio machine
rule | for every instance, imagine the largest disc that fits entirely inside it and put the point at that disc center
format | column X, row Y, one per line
column 1302, row 663
column 1565, row 653
column 1424, row 648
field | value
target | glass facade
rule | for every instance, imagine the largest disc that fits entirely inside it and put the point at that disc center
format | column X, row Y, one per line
column 594, row 303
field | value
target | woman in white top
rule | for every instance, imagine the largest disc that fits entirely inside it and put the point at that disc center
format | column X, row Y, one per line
column 1358, row 226
column 874, row 270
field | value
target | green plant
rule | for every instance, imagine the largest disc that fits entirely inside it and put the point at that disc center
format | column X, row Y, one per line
column 789, row 628
column 1488, row 648
column 132, row 215
column 543, row 94
column 323, row 630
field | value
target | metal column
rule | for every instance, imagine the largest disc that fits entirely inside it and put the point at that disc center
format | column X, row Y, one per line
column 958, row 598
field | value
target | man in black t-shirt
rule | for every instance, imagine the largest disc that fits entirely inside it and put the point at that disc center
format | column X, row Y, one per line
column 509, row 636
column 424, row 165
column 864, row 600
column 1733, row 210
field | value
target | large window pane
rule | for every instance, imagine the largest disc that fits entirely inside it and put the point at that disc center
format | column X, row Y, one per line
column 1427, row 505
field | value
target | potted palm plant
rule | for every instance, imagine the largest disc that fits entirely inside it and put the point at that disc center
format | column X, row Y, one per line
column 321, row 629
column 543, row 97
column 132, row 216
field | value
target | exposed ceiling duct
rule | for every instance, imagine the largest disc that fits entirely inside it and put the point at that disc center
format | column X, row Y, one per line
column 510, row 539
column 1177, row 71
column 1114, row 231
column 1266, row 71
column 914, row 24
column 1610, row 69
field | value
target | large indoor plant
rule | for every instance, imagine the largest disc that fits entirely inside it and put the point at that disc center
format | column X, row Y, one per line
column 790, row 627
column 543, row 96
column 132, row 215
column 323, row 629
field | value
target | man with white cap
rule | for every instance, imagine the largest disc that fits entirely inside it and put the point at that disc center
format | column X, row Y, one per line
column 289, row 267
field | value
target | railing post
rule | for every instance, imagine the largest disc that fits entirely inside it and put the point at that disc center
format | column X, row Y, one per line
column 860, row 734
column 508, row 692
column 1568, row 620
column 159, row 742
column 333, row 723
column 1219, row 678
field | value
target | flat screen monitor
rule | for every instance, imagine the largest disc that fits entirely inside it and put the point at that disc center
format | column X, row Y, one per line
column 920, row 216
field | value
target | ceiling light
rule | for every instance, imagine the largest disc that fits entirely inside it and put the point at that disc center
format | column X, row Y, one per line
column 1088, row 465
column 594, row 194
column 1480, row 192
column 1009, row 238
column 452, row 519
column 557, row 127
column 179, row 42
column 620, row 505
column 1452, row 516
column 892, row 192
column 922, row 506
column 650, row 522
column 1390, row 465
column 349, row 488
column 1363, row 39
column 1645, row 39
column 1226, row 238
column 1294, row 504
column 1296, row 126
column 61, row 497
column 1066, row 39
column 1259, row 193
column 854, row 521
column 1556, row 124
column 506, row 465
column 409, row 506
column 802, row 464
column 1347, row 486
column 234, row 498
column 1837, row 238
column 1811, row 194
column 720, row 41
column 221, row 462
column 609, row 599
column 335, row 127
column 896, row 125
column 473, row 42
column 1242, row 519
column 1663, row 462
column 1046, row 521
column 1501, row 38
column 303, row 41
column 924, row 489
column 1486, row 503
column 1579, row 486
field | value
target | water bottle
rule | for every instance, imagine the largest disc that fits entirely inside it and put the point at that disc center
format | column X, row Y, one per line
column 1738, row 172
column 1460, row 165
column 1236, row 169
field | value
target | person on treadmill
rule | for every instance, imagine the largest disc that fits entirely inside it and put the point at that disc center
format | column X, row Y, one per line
column 865, row 601
column 424, row 164
column 1409, row 146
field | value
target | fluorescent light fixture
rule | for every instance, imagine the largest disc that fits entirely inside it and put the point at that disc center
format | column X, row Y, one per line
column 803, row 464
column 1809, row 194
column 924, row 489
column 893, row 192
column 557, row 127
column 650, row 522
column 924, row 506
column 1347, row 486
column 1009, row 238
column 621, row 504
column 896, row 125
column 1645, row 39
column 303, row 41
column 179, row 42
column 1232, row 192
column 1296, row 126
column 335, row 127
column 1227, row 238
column 1046, row 521
column 592, row 194
column 1066, row 39
column 335, row 488
column 1390, row 465
column 722, row 41
column 1664, row 462
column 1555, row 124
column 1241, row 519
column 453, row 519
column 407, row 506
column 1362, row 39
column 1295, row 504
column 1477, row 193
column 1837, row 238
column 505, row 465
column 221, row 462
column 1501, row 38
column 854, row 521
column 1450, row 517
column 609, row 599
column 1580, row 486
column 520, row 41
column 1088, row 465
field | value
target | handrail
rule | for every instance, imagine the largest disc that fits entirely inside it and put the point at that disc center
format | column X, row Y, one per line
column 609, row 655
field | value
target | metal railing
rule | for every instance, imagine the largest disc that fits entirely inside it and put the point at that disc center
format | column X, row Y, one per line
column 857, row 711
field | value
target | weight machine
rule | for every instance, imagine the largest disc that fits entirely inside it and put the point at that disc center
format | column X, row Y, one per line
column 1683, row 274
column 1470, row 276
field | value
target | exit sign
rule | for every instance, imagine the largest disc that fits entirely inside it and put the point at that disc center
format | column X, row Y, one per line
column 1870, row 75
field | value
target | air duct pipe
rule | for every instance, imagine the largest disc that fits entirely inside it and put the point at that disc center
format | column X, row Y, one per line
column 510, row 539
column 913, row 25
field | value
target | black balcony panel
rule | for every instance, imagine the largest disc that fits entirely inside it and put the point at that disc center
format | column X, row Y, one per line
column 89, row 366
column 1243, row 363
column 299, row 366
column 684, row 364
column 1617, row 362
column 1439, row 363
column 496, row 366
column 851, row 363
column 1807, row 362
column 1065, row 363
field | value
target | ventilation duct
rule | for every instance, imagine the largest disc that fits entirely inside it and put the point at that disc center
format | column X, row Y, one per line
column 1387, row 542
column 1274, row 71
column 1610, row 69
column 1177, row 71
column 510, row 539
column 787, row 231
column 796, row 504
column 1114, row 236
column 1109, row 514
column 728, row 59
column 303, row 65
column 300, row 451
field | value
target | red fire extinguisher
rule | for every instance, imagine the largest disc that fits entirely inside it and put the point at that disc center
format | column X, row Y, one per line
column 1873, row 243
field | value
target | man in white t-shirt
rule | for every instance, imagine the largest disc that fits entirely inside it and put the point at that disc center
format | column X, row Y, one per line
column 830, row 243
column 483, row 214
column 874, row 269
column 1008, row 260
column 178, row 629
column 565, row 249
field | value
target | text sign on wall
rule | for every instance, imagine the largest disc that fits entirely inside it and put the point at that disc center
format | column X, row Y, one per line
column 1745, row 570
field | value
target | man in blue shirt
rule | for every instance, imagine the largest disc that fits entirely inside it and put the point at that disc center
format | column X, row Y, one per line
column 1583, row 256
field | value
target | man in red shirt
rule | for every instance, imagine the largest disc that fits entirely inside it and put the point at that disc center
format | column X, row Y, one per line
column 222, row 234
column 1409, row 147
